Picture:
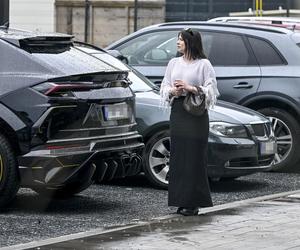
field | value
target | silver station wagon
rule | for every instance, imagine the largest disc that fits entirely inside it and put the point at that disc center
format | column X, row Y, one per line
column 257, row 66
column 241, row 141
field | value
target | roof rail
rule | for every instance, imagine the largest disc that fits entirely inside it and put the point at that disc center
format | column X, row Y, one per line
column 228, row 24
column 292, row 27
column 281, row 22
column 259, row 19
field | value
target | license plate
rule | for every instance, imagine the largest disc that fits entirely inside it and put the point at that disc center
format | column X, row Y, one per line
column 268, row 148
column 115, row 112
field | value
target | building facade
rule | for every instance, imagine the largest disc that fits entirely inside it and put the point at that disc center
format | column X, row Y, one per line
column 178, row 10
column 104, row 21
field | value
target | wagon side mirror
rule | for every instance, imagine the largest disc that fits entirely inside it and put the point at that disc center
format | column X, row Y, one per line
column 117, row 54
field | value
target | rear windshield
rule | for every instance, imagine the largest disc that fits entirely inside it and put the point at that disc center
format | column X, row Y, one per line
column 71, row 61
column 139, row 82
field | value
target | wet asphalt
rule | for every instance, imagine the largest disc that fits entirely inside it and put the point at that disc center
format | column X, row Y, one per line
column 259, row 223
column 122, row 202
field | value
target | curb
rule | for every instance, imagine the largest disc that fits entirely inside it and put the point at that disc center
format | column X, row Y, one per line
column 100, row 231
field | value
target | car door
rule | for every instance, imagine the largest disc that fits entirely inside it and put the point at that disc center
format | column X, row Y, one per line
column 237, row 71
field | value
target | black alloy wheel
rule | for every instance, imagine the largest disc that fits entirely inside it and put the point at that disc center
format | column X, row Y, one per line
column 9, row 175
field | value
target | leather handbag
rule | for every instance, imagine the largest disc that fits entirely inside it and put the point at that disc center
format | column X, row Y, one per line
column 195, row 103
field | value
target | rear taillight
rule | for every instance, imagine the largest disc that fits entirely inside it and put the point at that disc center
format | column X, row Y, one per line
column 65, row 89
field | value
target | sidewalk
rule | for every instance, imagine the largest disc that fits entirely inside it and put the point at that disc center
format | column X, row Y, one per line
column 268, row 222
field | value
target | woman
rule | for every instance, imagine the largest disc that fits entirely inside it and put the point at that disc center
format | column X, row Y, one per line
column 188, row 183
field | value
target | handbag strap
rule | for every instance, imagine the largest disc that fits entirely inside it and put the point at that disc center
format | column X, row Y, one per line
column 199, row 90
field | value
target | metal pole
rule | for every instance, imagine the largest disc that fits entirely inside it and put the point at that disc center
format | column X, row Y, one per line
column 4, row 12
column 287, row 8
column 86, row 21
column 187, row 8
column 135, row 15
column 256, row 8
column 210, row 8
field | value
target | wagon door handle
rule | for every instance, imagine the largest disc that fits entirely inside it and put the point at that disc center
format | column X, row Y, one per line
column 243, row 85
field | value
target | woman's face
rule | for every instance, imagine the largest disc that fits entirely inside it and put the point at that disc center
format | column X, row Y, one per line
column 180, row 45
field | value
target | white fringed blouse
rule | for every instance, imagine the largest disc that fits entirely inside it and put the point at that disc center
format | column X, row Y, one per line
column 198, row 72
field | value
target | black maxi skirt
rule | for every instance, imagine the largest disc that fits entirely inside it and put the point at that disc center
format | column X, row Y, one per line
column 188, row 181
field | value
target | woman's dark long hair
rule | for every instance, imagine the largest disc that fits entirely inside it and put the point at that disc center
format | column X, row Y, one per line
column 193, row 44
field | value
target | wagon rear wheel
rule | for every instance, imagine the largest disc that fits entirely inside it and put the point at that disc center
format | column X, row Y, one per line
column 156, row 159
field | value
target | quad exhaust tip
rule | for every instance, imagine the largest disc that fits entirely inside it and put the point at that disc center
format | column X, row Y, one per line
column 118, row 167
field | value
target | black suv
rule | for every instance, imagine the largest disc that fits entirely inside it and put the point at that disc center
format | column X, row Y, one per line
column 66, row 118
column 257, row 66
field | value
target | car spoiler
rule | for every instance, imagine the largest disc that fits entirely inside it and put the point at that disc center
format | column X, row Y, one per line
column 117, row 78
column 26, row 39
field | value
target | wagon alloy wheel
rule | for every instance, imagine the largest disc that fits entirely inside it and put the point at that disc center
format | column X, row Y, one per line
column 286, row 129
column 159, row 159
column 156, row 159
column 284, row 139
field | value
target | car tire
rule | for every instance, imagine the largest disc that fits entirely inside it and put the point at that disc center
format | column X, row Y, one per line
column 9, row 175
column 284, row 125
column 62, row 192
column 156, row 158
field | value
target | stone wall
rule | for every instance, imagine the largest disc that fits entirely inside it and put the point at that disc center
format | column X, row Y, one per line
column 108, row 20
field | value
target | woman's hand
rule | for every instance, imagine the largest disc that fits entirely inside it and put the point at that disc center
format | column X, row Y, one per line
column 176, row 91
column 181, row 85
